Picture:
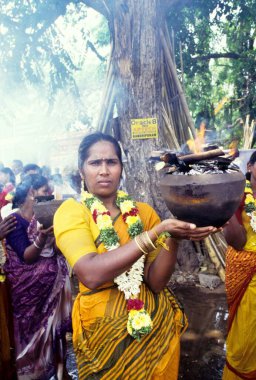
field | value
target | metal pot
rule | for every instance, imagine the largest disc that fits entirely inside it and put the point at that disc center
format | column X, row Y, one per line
column 206, row 200
column 44, row 212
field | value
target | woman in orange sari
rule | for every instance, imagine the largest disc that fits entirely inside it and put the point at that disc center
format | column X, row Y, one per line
column 240, row 234
column 126, row 323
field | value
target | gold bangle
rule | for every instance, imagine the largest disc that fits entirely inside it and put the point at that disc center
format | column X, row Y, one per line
column 150, row 241
column 156, row 234
column 138, row 245
column 141, row 239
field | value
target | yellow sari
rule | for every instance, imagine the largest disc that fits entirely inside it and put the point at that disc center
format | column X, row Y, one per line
column 103, row 347
column 241, row 297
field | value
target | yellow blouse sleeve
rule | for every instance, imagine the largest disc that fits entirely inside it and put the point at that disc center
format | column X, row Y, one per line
column 72, row 230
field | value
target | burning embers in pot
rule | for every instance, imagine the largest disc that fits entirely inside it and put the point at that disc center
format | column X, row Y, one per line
column 207, row 199
column 210, row 161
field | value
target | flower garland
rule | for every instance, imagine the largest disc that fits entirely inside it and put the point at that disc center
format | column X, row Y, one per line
column 250, row 204
column 139, row 322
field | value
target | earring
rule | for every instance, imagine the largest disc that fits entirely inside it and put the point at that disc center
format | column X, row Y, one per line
column 83, row 186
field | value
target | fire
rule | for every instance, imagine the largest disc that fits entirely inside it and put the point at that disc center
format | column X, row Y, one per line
column 233, row 149
column 197, row 144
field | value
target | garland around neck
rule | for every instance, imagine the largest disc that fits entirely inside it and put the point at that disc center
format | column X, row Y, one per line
column 128, row 282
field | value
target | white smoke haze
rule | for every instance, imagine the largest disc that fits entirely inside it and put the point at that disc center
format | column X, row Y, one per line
column 37, row 129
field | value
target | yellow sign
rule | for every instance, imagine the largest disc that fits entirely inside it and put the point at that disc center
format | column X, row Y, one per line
column 144, row 128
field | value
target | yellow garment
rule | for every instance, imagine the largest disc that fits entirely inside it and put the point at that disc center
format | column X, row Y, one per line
column 250, row 244
column 241, row 295
column 241, row 340
column 103, row 347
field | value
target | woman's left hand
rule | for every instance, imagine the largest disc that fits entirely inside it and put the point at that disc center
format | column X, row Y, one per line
column 184, row 230
column 46, row 232
column 200, row 233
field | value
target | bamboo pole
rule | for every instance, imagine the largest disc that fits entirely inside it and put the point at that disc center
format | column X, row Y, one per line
column 177, row 83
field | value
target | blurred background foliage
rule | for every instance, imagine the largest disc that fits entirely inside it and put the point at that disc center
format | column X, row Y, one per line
column 54, row 54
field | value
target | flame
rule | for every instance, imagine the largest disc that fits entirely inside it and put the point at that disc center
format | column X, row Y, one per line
column 196, row 145
column 233, row 149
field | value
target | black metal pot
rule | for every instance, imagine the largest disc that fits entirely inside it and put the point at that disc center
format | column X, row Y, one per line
column 44, row 212
column 206, row 200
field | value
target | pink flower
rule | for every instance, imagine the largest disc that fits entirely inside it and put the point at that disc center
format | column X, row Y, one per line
column 134, row 304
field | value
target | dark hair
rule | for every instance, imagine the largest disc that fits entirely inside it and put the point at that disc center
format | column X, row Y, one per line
column 31, row 181
column 89, row 140
column 29, row 167
column 251, row 161
column 10, row 173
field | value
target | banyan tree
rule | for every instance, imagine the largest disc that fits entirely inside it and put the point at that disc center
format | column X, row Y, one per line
column 142, row 83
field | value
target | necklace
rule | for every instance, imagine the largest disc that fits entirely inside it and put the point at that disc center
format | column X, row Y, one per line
column 250, row 204
column 139, row 322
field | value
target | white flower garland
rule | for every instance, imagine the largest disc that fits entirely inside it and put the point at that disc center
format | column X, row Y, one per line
column 128, row 282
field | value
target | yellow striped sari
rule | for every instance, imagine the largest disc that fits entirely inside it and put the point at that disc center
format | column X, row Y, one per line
column 103, row 347
column 241, row 298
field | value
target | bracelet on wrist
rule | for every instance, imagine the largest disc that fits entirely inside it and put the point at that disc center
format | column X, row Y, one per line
column 161, row 239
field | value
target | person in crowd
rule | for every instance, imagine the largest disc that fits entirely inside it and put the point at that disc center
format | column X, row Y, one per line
column 7, row 179
column 7, row 368
column 126, row 323
column 46, row 171
column 240, row 234
column 40, row 288
column 17, row 167
column 30, row 169
column 69, row 176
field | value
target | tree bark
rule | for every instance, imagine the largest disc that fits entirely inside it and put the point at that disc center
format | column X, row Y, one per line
column 141, row 71
column 137, row 59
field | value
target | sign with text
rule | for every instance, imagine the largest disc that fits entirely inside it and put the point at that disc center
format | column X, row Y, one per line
column 144, row 128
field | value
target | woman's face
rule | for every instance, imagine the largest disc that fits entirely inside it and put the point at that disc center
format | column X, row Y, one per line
column 42, row 191
column 102, row 170
column 4, row 178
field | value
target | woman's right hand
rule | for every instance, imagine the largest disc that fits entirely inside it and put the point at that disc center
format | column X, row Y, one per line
column 184, row 230
column 7, row 225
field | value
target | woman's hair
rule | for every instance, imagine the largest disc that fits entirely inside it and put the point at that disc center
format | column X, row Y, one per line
column 31, row 181
column 10, row 173
column 92, row 139
column 251, row 161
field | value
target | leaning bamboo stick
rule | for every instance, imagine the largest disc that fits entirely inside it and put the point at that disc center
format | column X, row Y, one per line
column 177, row 83
column 174, row 141
column 212, row 251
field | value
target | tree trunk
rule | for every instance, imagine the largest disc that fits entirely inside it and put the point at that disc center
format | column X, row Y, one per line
column 142, row 83
column 137, row 59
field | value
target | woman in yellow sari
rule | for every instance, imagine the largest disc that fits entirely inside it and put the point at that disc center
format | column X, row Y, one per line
column 240, row 234
column 126, row 324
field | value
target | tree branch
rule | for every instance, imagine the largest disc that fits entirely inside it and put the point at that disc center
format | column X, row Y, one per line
column 90, row 45
column 168, row 4
column 230, row 55
column 99, row 6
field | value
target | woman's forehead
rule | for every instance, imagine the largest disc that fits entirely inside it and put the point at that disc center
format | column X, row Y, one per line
column 102, row 149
